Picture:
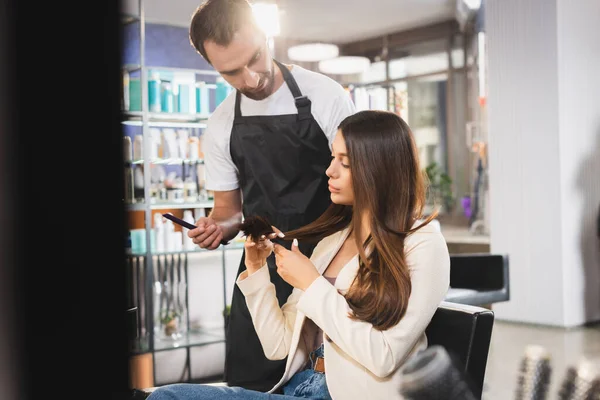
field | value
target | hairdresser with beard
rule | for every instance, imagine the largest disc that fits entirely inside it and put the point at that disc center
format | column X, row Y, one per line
column 268, row 143
column 362, row 301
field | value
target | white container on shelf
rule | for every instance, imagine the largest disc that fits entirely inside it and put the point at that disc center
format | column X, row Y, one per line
column 194, row 148
column 182, row 142
column 170, row 148
column 190, row 190
column 127, row 151
column 177, row 241
column 169, row 235
column 159, row 235
column 188, row 244
column 201, row 176
column 138, row 147
column 155, row 143
column 199, row 213
column 176, row 193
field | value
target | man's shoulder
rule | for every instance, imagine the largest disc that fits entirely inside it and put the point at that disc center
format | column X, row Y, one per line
column 222, row 117
column 316, row 83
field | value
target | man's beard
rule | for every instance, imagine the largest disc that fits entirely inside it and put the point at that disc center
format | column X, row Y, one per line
column 269, row 79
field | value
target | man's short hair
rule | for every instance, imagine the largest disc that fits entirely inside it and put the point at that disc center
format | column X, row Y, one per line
column 218, row 21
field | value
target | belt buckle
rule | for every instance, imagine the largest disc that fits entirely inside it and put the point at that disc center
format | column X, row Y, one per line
column 320, row 365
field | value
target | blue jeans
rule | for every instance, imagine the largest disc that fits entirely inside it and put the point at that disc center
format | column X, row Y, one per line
column 306, row 384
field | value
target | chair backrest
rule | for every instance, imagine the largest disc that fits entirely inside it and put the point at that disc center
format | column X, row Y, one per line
column 481, row 271
column 465, row 332
column 479, row 279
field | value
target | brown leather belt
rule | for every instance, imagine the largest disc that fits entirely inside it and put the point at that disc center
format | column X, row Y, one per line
column 320, row 365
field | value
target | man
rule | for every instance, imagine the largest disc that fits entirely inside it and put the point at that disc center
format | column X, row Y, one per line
column 268, row 143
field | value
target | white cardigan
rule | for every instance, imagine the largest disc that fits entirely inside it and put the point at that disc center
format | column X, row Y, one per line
column 361, row 362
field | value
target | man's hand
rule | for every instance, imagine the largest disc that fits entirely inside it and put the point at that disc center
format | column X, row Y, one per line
column 208, row 234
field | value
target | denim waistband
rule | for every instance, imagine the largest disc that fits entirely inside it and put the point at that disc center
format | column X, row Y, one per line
column 312, row 356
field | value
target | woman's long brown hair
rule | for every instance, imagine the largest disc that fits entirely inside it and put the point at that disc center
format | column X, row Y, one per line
column 390, row 185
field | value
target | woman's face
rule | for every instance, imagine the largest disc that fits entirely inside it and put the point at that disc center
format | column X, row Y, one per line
column 340, row 178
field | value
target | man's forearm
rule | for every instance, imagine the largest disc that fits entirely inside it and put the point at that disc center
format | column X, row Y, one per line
column 229, row 220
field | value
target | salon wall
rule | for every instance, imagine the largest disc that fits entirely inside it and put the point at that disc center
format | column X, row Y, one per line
column 544, row 135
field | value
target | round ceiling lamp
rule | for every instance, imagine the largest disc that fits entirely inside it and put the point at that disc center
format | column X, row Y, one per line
column 344, row 65
column 267, row 17
column 312, row 52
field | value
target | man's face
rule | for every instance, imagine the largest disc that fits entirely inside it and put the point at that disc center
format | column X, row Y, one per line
column 245, row 63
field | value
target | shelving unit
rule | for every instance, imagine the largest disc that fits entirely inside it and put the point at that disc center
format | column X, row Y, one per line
column 135, row 118
column 149, row 268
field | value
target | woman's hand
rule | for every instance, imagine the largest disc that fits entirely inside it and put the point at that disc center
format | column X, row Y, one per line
column 256, row 253
column 294, row 267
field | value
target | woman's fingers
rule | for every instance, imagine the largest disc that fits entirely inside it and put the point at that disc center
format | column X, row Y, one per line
column 265, row 244
column 279, row 249
column 276, row 233
column 249, row 243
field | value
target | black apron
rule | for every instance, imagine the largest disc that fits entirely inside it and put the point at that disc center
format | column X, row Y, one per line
column 281, row 161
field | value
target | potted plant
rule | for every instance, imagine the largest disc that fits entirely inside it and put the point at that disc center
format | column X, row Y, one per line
column 170, row 323
column 440, row 188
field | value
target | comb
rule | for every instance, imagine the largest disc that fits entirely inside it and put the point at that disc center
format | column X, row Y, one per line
column 178, row 221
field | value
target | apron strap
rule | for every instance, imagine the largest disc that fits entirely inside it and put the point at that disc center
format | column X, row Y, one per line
column 238, row 110
column 302, row 102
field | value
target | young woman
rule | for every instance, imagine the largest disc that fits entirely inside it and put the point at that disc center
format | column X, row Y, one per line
column 361, row 303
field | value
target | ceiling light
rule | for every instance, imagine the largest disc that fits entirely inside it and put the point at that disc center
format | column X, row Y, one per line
column 312, row 52
column 267, row 17
column 473, row 4
column 344, row 65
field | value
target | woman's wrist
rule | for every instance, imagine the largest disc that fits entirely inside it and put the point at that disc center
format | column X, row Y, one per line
column 252, row 267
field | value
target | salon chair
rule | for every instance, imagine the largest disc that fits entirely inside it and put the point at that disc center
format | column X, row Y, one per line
column 478, row 279
column 465, row 332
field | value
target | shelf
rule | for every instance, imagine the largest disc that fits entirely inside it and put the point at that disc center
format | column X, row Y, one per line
column 144, row 120
column 177, row 117
column 233, row 245
column 131, row 67
column 180, row 206
column 166, row 253
column 167, row 161
column 193, row 338
column 200, row 337
column 175, row 69
column 165, row 120
column 165, row 206
column 166, row 117
column 167, row 124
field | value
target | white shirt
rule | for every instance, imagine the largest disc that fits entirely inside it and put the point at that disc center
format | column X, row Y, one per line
column 331, row 103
